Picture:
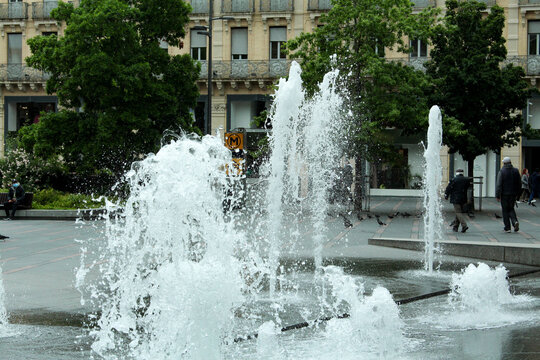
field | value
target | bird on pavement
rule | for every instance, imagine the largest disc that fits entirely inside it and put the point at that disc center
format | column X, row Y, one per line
column 379, row 220
column 346, row 222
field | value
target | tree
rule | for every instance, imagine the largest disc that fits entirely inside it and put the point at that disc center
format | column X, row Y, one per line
column 383, row 94
column 481, row 99
column 118, row 89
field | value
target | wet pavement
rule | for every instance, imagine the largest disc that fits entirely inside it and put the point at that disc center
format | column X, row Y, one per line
column 40, row 259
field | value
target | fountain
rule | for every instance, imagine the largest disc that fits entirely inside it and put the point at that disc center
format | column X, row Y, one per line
column 3, row 313
column 432, row 183
column 173, row 276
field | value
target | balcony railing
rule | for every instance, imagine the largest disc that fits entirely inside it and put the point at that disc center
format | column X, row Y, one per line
column 21, row 73
column 420, row 4
column 237, row 6
column 42, row 10
column 527, row 2
column 317, row 5
column 277, row 5
column 14, row 11
column 489, row 3
column 199, row 6
column 246, row 69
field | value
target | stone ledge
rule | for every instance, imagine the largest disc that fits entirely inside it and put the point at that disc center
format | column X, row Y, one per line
column 48, row 214
column 525, row 254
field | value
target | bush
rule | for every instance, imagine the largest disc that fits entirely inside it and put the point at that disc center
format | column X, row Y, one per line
column 54, row 199
column 32, row 172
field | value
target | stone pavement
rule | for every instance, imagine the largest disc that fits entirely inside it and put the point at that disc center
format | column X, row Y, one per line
column 40, row 258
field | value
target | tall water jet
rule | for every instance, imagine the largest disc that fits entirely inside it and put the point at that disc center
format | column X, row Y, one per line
column 304, row 144
column 170, row 277
column 283, row 166
column 432, row 182
column 3, row 312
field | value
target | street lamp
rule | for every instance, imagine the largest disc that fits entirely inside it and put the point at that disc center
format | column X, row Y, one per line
column 203, row 30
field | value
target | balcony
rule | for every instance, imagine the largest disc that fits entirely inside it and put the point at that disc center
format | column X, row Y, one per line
column 237, row 6
column 21, row 73
column 246, row 69
column 277, row 5
column 421, row 4
column 489, row 3
column 14, row 11
column 319, row 5
column 529, row 2
column 42, row 10
column 200, row 7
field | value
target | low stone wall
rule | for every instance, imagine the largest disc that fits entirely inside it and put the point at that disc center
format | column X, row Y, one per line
column 525, row 254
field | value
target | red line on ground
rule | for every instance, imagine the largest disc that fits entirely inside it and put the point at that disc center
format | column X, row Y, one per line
column 56, row 248
column 7, row 249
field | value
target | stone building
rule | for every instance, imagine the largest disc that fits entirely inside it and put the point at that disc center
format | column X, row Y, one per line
column 247, row 58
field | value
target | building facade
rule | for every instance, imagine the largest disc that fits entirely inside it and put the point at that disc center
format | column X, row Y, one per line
column 247, row 59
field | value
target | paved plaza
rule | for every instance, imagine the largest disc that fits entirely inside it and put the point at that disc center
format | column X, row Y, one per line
column 40, row 258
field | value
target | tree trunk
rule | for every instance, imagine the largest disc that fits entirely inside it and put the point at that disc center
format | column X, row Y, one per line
column 359, row 183
column 470, row 174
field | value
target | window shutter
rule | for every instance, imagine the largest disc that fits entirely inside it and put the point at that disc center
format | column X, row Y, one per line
column 239, row 41
column 278, row 34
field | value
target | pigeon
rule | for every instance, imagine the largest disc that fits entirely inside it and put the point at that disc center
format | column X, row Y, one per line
column 405, row 214
column 360, row 217
column 369, row 216
column 346, row 222
column 3, row 237
column 379, row 221
column 498, row 216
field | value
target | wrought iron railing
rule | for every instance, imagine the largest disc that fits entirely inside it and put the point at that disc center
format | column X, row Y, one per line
column 489, row 3
column 530, row 63
column 237, row 6
column 14, row 11
column 199, row 6
column 42, row 10
column 277, row 5
column 315, row 5
column 246, row 69
column 21, row 73
column 420, row 4
column 527, row 2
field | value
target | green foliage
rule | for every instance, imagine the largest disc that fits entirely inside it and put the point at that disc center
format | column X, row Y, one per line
column 33, row 172
column 354, row 37
column 480, row 99
column 109, row 64
column 53, row 199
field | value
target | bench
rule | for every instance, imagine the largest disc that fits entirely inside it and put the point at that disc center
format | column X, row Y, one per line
column 26, row 203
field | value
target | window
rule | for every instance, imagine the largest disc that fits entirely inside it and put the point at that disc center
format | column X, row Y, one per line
column 278, row 37
column 198, row 46
column 15, row 48
column 239, row 44
column 418, row 48
column 534, row 37
column 49, row 33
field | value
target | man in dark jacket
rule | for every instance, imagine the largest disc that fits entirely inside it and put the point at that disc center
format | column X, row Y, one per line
column 16, row 197
column 457, row 191
column 507, row 192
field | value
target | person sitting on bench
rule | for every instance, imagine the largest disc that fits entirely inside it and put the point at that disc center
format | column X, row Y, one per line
column 16, row 197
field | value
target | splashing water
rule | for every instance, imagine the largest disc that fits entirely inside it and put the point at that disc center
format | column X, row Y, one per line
column 432, row 183
column 374, row 326
column 480, row 289
column 3, row 313
column 170, row 277
column 303, row 143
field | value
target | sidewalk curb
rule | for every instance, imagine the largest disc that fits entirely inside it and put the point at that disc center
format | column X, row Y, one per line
column 525, row 254
column 48, row 214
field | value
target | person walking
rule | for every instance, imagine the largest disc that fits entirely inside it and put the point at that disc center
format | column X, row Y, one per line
column 535, row 186
column 457, row 191
column 15, row 197
column 507, row 192
column 525, row 192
